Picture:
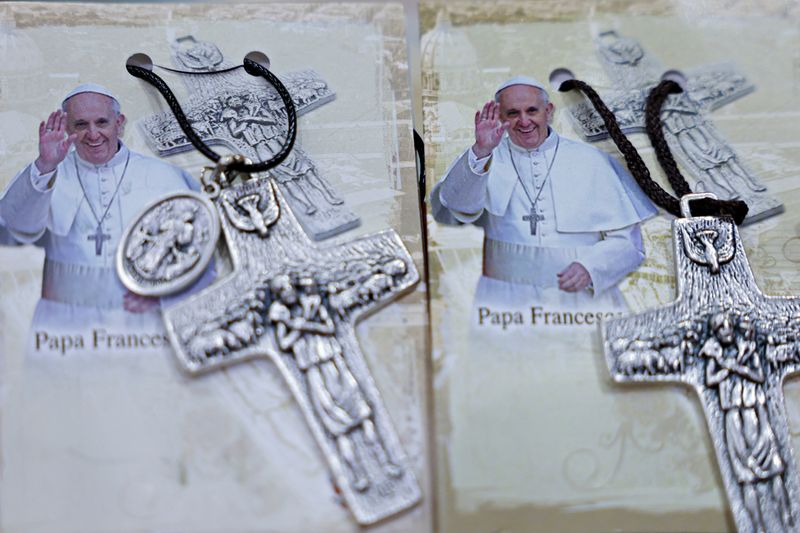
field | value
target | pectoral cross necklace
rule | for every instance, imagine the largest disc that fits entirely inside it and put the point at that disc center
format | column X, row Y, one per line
column 722, row 336
column 253, row 312
column 533, row 217
column 98, row 236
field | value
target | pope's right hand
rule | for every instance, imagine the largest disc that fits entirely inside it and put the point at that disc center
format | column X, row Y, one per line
column 54, row 142
column 488, row 129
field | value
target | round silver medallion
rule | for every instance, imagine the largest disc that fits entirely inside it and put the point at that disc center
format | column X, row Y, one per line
column 168, row 245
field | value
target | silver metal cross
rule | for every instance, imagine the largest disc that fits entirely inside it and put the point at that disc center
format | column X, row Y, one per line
column 691, row 135
column 297, row 304
column 99, row 238
column 533, row 219
column 734, row 346
column 244, row 114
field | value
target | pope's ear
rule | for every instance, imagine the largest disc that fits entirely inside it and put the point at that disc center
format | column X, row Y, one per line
column 121, row 121
column 550, row 109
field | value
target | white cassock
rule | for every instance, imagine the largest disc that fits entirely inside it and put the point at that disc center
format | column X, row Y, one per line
column 588, row 211
column 80, row 288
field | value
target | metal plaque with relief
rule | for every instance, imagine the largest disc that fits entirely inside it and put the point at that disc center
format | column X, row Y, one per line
column 688, row 128
column 734, row 346
column 168, row 245
column 297, row 304
column 230, row 108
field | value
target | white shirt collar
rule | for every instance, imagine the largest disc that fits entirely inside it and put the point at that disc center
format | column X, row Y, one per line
column 119, row 158
column 548, row 144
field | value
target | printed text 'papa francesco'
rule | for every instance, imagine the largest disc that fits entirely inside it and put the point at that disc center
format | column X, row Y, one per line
column 538, row 316
column 99, row 339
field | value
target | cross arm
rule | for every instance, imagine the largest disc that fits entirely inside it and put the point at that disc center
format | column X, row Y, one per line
column 628, row 107
column 365, row 274
column 232, row 321
column 713, row 86
column 781, row 337
column 657, row 345
column 307, row 88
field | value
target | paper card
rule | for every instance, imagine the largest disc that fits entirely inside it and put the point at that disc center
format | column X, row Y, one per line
column 101, row 429
column 530, row 427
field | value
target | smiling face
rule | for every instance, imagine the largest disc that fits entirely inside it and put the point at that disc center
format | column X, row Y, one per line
column 528, row 113
column 98, row 127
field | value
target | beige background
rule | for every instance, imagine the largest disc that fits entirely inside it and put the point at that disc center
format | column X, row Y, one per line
column 125, row 442
column 531, row 433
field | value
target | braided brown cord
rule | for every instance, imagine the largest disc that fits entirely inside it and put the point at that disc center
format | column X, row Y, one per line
column 634, row 161
column 252, row 68
column 736, row 209
column 652, row 120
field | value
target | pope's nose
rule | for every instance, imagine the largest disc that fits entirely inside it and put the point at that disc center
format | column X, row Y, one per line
column 524, row 121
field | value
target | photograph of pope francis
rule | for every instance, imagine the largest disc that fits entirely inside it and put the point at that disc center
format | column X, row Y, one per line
column 74, row 200
column 560, row 218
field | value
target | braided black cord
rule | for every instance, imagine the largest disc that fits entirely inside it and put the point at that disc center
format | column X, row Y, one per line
column 153, row 79
column 252, row 68
column 652, row 120
column 736, row 209
column 635, row 164
column 256, row 69
column 198, row 72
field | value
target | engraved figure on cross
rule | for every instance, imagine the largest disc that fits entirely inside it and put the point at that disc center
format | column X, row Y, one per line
column 274, row 113
column 734, row 369
column 621, row 50
column 196, row 55
column 783, row 346
column 243, row 123
column 704, row 147
column 272, row 305
column 303, row 326
column 300, row 179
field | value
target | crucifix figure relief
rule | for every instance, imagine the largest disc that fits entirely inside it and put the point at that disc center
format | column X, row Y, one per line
column 734, row 346
column 691, row 135
column 236, row 110
column 297, row 304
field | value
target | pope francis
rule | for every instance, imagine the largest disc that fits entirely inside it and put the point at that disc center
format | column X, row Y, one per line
column 75, row 200
column 560, row 218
